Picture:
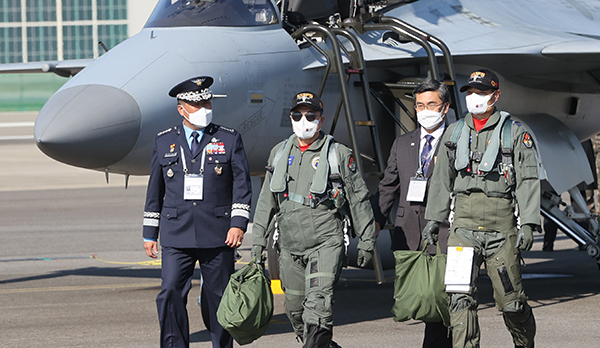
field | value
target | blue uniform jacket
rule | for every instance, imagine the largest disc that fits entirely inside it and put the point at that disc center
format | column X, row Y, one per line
column 227, row 189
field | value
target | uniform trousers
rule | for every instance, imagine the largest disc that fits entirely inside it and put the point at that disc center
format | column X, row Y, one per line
column 307, row 279
column 216, row 266
column 497, row 250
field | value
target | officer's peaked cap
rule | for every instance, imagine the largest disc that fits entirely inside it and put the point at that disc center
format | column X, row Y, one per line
column 193, row 90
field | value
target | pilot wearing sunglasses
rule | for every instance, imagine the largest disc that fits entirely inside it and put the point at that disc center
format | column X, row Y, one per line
column 310, row 192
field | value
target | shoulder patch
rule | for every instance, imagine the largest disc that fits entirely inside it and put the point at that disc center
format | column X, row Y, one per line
column 352, row 164
column 527, row 141
column 230, row 130
column 164, row 132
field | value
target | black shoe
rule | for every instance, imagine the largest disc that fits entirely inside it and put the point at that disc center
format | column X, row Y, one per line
column 334, row 345
column 548, row 247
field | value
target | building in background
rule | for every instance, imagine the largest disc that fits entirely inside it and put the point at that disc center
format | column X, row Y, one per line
column 50, row 30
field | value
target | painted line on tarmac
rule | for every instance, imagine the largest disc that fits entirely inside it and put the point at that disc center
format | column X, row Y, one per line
column 80, row 288
column 16, row 124
column 16, row 137
column 46, row 258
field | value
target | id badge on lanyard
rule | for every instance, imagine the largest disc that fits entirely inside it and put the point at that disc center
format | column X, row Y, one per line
column 416, row 189
column 193, row 184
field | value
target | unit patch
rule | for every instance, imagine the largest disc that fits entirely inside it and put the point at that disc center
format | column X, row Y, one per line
column 352, row 164
column 527, row 140
column 315, row 162
column 215, row 148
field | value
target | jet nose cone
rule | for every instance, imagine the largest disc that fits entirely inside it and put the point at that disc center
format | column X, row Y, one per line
column 89, row 126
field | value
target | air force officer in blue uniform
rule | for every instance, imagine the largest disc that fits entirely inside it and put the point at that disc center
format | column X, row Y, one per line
column 198, row 199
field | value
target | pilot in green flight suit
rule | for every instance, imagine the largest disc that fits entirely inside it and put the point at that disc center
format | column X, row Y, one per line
column 299, row 193
column 487, row 182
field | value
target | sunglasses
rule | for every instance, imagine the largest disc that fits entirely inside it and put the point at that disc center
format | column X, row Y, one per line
column 310, row 116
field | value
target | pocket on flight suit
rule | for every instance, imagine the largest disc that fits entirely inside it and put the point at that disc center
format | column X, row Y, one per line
column 505, row 272
column 528, row 165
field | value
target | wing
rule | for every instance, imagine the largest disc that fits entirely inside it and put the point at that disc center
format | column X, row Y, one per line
column 64, row 68
column 546, row 44
column 551, row 45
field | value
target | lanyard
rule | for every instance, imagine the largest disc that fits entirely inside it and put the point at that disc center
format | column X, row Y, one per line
column 185, row 169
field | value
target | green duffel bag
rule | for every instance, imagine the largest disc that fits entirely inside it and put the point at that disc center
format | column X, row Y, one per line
column 419, row 290
column 246, row 307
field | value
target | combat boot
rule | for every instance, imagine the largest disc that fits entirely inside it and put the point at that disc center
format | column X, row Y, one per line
column 318, row 337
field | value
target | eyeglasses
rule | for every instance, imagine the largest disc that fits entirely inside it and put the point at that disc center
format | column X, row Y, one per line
column 429, row 106
column 309, row 115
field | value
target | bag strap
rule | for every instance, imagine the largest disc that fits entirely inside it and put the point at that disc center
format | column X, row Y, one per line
column 242, row 273
column 424, row 248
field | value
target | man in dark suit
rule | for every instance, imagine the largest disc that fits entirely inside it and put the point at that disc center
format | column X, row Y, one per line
column 410, row 165
column 198, row 198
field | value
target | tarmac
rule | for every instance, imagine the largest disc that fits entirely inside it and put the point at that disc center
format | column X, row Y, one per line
column 73, row 272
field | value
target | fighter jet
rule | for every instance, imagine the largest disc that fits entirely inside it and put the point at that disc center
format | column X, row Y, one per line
column 362, row 57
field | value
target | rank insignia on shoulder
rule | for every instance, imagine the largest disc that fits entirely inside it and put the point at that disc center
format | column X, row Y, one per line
column 227, row 129
column 315, row 162
column 527, row 140
column 164, row 132
column 352, row 164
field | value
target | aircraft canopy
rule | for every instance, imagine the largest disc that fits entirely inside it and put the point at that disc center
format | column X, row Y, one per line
column 214, row 13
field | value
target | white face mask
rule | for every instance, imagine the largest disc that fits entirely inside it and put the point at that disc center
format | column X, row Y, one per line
column 305, row 129
column 200, row 118
column 429, row 119
column 478, row 104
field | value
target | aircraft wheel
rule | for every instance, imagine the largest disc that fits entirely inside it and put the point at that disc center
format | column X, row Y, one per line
column 272, row 260
column 592, row 251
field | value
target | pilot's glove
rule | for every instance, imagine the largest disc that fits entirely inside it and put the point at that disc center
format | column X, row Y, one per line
column 525, row 238
column 364, row 258
column 430, row 232
column 257, row 251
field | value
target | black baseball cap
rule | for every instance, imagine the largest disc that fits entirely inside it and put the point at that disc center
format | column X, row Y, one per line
column 482, row 79
column 309, row 99
column 193, row 90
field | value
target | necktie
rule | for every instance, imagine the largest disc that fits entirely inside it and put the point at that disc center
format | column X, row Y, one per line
column 425, row 158
column 194, row 142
